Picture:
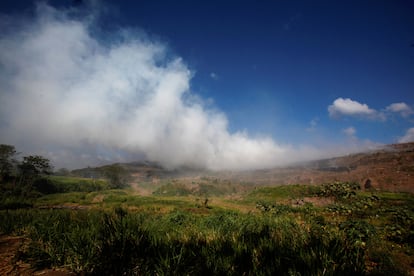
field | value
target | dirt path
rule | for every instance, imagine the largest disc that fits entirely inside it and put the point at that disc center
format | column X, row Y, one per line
column 9, row 246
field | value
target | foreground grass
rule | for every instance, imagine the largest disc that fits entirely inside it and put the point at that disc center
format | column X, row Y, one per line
column 260, row 233
column 180, row 243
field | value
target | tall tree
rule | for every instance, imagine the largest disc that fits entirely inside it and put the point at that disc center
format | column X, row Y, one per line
column 7, row 162
column 34, row 166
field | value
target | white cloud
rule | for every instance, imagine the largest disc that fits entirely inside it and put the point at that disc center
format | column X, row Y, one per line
column 402, row 108
column 408, row 137
column 350, row 131
column 348, row 107
column 78, row 99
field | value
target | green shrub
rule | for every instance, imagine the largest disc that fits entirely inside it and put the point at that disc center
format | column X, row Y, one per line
column 401, row 228
column 339, row 189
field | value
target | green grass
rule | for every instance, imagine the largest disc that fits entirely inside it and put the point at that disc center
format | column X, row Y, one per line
column 396, row 197
column 204, row 187
column 78, row 184
column 282, row 192
column 259, row 233
column 113, row 198
column 181, row 243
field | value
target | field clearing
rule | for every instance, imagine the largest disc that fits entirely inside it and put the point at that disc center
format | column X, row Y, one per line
column 308, row 230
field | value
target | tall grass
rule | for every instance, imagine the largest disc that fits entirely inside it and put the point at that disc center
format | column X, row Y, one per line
column 223, row 243
column 356, row 234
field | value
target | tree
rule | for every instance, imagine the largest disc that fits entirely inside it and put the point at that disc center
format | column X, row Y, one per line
column 7, row 152
column 34, row 166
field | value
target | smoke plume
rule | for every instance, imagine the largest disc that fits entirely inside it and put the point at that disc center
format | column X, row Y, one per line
column 81, row 97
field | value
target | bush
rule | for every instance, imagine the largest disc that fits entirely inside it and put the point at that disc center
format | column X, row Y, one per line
column 339, row 190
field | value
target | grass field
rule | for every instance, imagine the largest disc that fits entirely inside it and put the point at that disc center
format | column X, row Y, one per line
column 333, row 229
column 69, row 184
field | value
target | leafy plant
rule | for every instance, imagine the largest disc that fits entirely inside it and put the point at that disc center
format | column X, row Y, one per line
column 339, row 190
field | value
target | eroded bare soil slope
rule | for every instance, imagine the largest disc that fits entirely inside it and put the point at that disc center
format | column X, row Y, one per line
column 391, row 168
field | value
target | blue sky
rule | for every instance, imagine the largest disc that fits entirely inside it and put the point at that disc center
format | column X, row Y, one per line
column 280, row 64
column 298, row 72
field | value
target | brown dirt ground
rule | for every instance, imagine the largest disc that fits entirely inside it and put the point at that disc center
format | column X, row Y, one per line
column 9, row 247
column 140, row 190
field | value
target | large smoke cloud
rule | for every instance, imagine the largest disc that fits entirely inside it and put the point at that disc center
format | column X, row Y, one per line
column 78, row 99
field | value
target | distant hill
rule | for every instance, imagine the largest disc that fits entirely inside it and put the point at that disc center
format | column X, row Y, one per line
column 390, row 168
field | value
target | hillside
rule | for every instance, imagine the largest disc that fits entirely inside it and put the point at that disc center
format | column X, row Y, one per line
column 390, row 168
